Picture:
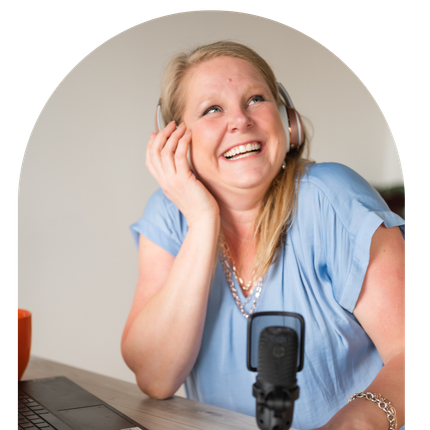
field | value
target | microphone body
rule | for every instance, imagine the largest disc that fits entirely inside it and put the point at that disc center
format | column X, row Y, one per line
column 276, row 385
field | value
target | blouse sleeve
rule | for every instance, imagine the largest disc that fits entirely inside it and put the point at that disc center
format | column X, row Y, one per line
column 161, row 223
column 350, row 210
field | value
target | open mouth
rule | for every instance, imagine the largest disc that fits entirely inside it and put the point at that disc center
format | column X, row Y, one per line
column 243, row 151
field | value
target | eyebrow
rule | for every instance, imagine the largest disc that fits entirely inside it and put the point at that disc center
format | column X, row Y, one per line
column 207, row 98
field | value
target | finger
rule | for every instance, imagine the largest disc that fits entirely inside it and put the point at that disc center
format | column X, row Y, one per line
column 156, row 146
column 162, row 136
column 168, row 152
column 172, row 141
column 148, row 149
column 181, row 154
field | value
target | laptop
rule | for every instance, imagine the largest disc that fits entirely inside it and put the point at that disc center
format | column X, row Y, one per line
column 60, row 404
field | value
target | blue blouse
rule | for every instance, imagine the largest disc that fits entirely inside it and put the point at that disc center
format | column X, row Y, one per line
column 319, row 275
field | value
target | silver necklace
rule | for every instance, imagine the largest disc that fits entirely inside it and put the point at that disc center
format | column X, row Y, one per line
column 225, row 265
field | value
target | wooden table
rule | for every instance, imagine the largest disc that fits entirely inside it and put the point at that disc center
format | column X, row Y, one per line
column 173, row 414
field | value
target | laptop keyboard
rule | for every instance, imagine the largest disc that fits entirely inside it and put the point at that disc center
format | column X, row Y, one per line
column 31, row 416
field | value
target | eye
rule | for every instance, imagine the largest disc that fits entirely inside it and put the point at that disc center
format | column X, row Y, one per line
column 212, row 109
column 255, row 99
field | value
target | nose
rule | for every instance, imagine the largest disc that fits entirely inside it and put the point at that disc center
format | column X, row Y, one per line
column 239, row 120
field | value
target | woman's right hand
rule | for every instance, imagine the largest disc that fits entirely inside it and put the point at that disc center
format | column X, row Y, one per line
column 166, row 159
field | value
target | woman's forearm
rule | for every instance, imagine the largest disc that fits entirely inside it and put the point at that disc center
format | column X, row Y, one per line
column 163, row 341
column 390, row 383
column 363, row 414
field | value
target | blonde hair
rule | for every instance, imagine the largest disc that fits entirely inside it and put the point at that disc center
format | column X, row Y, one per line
column 280, row 201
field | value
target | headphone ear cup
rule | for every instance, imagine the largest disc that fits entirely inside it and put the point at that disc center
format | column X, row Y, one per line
column 190, row 163
column 159, row 121
column 294, row 128
column 285, row 123
column 297, row 135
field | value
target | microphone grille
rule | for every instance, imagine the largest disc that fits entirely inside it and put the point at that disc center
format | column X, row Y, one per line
column 277, row 356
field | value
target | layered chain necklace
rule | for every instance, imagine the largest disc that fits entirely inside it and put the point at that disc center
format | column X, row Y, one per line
column 225, row 259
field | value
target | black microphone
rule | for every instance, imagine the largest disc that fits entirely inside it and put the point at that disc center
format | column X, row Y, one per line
column 276, row 385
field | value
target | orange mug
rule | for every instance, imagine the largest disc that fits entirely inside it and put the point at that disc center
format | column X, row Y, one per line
column 24, row 340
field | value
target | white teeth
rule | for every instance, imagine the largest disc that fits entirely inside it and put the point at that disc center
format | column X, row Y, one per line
column 242, row 149
column 241, row 156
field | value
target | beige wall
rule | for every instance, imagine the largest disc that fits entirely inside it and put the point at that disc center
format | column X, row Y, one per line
column 83, row 180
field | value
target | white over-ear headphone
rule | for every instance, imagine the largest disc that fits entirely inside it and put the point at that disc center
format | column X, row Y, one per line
column 290, row 119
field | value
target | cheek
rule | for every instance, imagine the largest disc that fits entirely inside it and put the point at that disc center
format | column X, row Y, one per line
column 280, row 135
column 274, row 129
column 206, row 138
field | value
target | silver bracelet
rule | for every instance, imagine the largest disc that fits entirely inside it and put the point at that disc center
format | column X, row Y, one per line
column 383, row 403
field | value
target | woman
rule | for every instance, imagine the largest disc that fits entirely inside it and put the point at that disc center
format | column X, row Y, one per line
column 291, row 235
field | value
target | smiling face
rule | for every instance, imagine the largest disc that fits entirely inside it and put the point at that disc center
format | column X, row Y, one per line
column 238, row 140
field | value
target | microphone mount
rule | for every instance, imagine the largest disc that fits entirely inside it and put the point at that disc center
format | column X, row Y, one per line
column 275, row 407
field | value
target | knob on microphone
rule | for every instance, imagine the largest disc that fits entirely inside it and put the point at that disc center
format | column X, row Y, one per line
column 276, row 386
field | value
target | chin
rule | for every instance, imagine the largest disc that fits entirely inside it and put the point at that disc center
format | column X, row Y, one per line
column 251, row 181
